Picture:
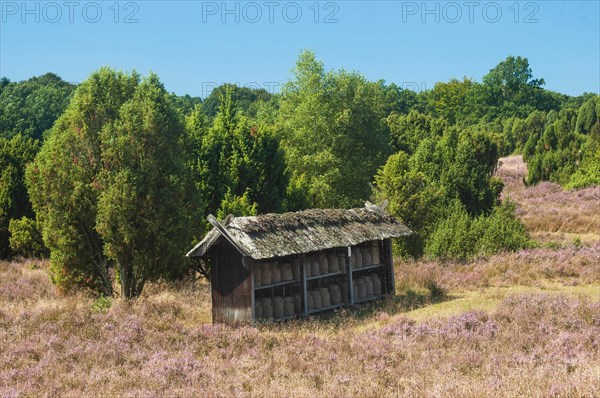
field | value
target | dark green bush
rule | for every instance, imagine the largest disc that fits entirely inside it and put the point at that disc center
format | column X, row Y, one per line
column 25, row 238
column 461, row 237
column 500, row 231
column 452, row 239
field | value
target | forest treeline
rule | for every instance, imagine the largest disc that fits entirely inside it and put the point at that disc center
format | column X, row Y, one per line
column 113, row 178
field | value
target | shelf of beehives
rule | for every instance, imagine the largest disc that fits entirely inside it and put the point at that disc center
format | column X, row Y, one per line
column 329, row 307
column 277, row 284
column 308, row 278
column 367, row 267
column 369, row 298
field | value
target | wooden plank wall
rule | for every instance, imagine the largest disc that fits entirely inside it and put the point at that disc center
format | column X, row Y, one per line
column 231, row 285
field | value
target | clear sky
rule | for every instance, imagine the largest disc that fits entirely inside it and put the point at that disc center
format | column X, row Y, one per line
column 195, row 45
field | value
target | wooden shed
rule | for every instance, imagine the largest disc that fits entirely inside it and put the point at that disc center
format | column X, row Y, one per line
column 281, row 266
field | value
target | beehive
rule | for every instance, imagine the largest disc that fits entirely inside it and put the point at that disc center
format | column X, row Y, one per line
column 315, row 269
column 368, row 286
column 376, row 284
column 361, row 289
column 323, row 264
column 297, row 303
column 335, row 294
column 358, row 259
column 296, row 268
column 258, row 310
column 286, row 272
column 366, row 256
column 375, row 255
column 316, row 299
column 267, row 307
column 288, row 306
column 301, row 263
column 277, row 307
column 325, row 298
column 275, row 273
column 265, row 276
column 333, row 263
column 342, row 262
column 344, row 290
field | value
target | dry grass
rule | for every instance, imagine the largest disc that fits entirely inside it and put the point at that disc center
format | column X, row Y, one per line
column 515, row 341
column 523, row 324
column 548, row 212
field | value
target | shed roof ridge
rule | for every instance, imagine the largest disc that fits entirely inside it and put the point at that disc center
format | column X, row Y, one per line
column 276, row 235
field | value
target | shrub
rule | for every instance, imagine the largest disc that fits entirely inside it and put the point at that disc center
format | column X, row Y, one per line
column 237, row 205
column 25, row 238
column 452, row 239
column 501, row 231
column 460, row 237
column 101, row 304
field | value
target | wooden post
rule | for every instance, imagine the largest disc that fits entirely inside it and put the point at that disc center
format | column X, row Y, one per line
column 252, row 265
column 390, row 266
column 349, row 271
column 304, row 287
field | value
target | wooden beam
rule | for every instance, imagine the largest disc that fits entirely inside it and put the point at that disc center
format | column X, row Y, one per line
column 211, row 219
column 349, row 277
column 304, row 285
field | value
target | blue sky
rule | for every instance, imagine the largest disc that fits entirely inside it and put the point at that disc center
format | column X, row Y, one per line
column 195, row 45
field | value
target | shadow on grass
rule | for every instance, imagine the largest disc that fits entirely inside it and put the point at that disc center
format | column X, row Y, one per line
column 352, row 316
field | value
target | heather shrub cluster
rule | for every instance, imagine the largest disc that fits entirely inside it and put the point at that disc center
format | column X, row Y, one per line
column 162, row 344
column 530, row 267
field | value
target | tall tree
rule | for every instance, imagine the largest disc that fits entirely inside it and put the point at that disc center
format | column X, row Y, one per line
column 142, row 218
column 333, row 132
column 237, row 160
column 63, row 181
column 511, row 90
column 106, row 186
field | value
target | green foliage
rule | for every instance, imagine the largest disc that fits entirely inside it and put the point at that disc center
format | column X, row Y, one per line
column 141, row 207
column 101, row 304
column 413, row 198
column 15, row 154
column 586, row 117
column 239, row 157
column 588, row 172
column 246, row 98
column 185, row 104
column 237, row 206
column 129, row 171
column 333, row 132
column 463, row 163
column 31, row 107
column 456, row 100
column 567, row 151
column 63, row 181
column 500, row 231
column 459, row 236
column 26, row 239
column 453, row 237
column 407, row 131
column 107, row 186
column 509, row 89
column 446, row 193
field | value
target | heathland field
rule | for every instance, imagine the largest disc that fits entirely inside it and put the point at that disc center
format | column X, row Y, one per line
column 518, row 324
